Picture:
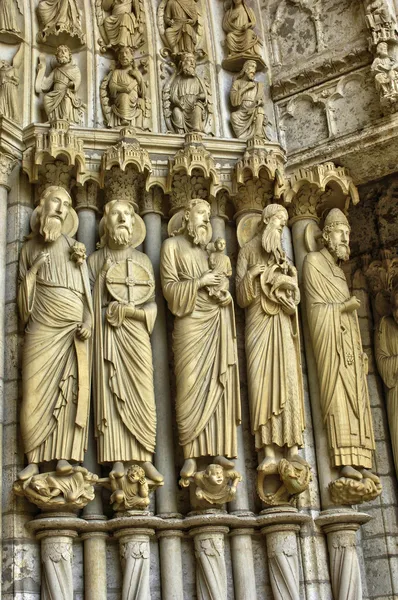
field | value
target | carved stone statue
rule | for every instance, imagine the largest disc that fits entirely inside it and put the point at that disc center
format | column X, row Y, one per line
column 216, row 484
column 266, row 285
column 9, row 16
column 247, row 97
column 59, row 16
column 130, row 490
column 381, row 21
column 386, row 350
column 386, row 73
column 125, row 313
column 204, row 344
column 123, row 26
column 54, row 302
column 219, row 263
column 341, row 362
column 124, row 96
column 188, row 98
column 9, row 82
column 61, row 101
column 181, row 25
column 238, row 23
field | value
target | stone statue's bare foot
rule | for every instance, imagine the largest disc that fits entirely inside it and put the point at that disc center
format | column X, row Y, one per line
column 351, row 473
column 64, row 467
column 369, row 475
column 224, row 462
column 117, row 470
column 269, row 466
column 152, row 473
column 28, row 472
column 189, row 468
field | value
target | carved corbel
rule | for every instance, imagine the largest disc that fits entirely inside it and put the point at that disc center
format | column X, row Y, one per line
column 192, row 173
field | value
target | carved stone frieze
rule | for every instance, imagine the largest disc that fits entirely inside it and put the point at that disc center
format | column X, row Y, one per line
column 57, row 491
column 60, row 20
column 121, row 24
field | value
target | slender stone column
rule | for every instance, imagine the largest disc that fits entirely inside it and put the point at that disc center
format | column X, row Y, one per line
column 166, row 496
column 56, row 558
column 135, row 557
column 211, row 574
column 95, row 565
column 242, row 564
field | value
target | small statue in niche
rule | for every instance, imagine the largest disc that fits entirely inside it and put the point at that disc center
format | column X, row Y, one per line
column 214, row 485
column 54, row 302
column 9, row 82
column 124, row 96
column 181, row 21
column 9, row 16
column 238, row 23
column 57, row 17
column 385, row 69
column 61, row 102
column 341, row 364
column 266, row 285
column 123, row 26
column 247, row 96
column 125, row 313
column 204, row 344
column 188, row 98
column 130, row 490
column 219, row 263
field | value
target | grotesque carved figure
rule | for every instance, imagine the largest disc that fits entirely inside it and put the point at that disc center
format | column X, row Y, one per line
column 266, row 285
column 386, row 73
column 188, row 98
column 216, row 485
column 123, row 26
column 55, row 305
column 125, row 313
column 181, row 25
column 61, row 101
column 9, row 82
column 386, row 348
column 341, row 362
column 239, row 21
column 219, row 263
column 204, row 344
column 131, row 490
column 247, row 96
column 124, row 96
column 58, row 16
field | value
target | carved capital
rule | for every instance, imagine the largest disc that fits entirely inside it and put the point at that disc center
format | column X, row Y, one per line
column 87, row 196
column 152, row 201
column 7, row 164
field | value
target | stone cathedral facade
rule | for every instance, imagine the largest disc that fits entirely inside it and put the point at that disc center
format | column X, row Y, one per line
column 199, row 299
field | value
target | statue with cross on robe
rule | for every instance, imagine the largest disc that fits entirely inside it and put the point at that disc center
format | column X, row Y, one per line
column 125, row 312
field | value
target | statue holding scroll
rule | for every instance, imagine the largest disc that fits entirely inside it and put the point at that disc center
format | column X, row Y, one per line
column 54, row 302
column 125, row 313
column 204, row 344
column 341, row 361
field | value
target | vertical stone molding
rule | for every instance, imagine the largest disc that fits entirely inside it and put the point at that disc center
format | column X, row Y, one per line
column 56, row 558
column 341, row 528
column 211, row 575
column 135, row 558
column 170, row 564
column 242, row 564
column 95, row 565
column 283, row 525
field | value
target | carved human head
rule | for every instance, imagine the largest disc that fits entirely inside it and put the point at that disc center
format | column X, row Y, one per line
column 382, row 49
column 273, row 220
column 196, row 221
column 118, row 222
column 125, row 56
column 220, row 244
column 214, row 474
column 63, row 54
column 55, row 204
column 249, row 69
column 188, row 64
column 336, row 234
column 136, row 474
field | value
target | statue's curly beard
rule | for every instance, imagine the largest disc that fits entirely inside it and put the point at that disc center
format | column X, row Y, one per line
column 201, row 234
column 339, row 251
column 272, row 240
column 50, row 228
column 121, row 235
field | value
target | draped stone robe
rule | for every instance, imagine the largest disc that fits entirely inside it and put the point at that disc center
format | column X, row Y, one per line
column 125, row 413
column 273, row 355
column 55, row 375
column 204, row 344
column 340, row 362
column 61, row 102
column 180, row 34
